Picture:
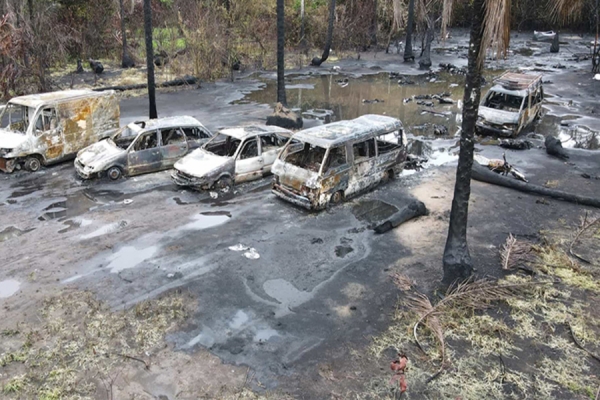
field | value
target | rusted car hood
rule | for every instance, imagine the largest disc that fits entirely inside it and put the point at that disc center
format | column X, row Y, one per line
column 99, row 153
column 11, row 140
column 201, row 163
column 293, row 176
column 498, row 117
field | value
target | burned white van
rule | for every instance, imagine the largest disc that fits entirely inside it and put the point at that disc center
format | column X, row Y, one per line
column 330, row 163
column 43, row 129
column 511, row 105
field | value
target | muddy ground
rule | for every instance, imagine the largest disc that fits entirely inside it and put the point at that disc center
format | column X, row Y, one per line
column 298, row 320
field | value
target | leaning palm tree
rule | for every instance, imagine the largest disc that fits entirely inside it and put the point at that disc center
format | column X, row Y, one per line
column 280, row 53
column 490, row 28
column 318, row 61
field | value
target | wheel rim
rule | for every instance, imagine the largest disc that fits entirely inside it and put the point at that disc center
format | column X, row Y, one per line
column 114, row 173
column 223, row 184
column 336, row 198
column 34, row 164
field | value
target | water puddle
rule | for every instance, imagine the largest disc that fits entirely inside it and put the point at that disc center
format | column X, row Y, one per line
column 79, row 203
column 8, row 288
column 339, row 97
column 103, row 230
column 12, row 232
column 75, row 223
column 129, row 257
column 207, row 220
column 286, row 294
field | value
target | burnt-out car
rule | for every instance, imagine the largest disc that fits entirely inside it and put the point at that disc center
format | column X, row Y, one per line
column 330, row 163
column 142, row 147
column 234, row 155
column 511, row 105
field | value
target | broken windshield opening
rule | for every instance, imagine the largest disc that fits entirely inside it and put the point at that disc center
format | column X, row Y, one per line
column 307, row 156
column 124, row 138
column 503, row 101
column 16, row 117
column 223, row 145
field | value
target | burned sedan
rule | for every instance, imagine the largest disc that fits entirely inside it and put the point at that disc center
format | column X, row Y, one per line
column 234, row 155
column 142, row 147
column 511, row 105
column 330, row 163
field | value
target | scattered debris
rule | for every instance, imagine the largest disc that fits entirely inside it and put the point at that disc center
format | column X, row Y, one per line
column 239, row 247
column 96, row 66
column 398, row 367
column 412, row 210
column 425, row 103
column 554, row 148
column 584, row 226
column 252, row 254
column 500, row 166
column 440, row 130
column 453, row 69
column 544, row 36
column 516, row 144
column 186, row 80
column 374, row 101
column 483, row 174
column 516, row 253
column 127, row 201
column 284, row 118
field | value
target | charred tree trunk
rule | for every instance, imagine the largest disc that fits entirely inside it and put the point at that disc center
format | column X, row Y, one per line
column 457, row 259
column 373, row 27
column 425, row 61
column 281, row 52
column 126, row 61
column 302, row 33
column 150, row 59
column 318, row 61
column 408, row 50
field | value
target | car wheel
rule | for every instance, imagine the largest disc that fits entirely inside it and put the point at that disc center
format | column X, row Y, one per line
column 114, row 173
column 224, row 184
column 389, row 176
column 337, row 197
column 32, row 164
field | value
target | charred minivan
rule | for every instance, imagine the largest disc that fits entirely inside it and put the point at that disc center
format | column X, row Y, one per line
column 142, row 147
column 47, row 128
column 511, row 105
column 329, row 163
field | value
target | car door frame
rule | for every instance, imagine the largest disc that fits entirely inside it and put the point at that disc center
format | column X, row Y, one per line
column 258, row 161
column 52, row 140
column 147, row 160
column 171, row 153
column 361, row 173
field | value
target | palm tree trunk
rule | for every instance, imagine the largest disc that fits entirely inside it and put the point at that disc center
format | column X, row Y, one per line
column 457, row 259
column 281, row 52
column 150, row 59
column 373, row 27
column 425, row 61
column 408, row 51
column 318, row 61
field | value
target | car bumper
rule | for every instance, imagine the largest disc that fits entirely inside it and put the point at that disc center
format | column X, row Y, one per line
column 181, row 179
column 289, row 196
column 80, row 170
column 496, row 131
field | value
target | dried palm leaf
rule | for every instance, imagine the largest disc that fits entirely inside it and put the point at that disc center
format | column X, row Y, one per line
column 515, row 253
column 403, row 282
column 585, row 225
column 446, row 17
column 496, row 31
column 566, row 10
column 420, row 304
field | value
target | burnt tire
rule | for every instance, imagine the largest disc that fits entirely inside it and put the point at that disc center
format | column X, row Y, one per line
column 389, row 176
column 32, row 164
column 114, row 173
column 223, row 184
column 336, row 198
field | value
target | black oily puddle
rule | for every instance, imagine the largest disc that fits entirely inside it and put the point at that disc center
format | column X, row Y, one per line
column 373, row 212
column 339, row 97
column 80, row 203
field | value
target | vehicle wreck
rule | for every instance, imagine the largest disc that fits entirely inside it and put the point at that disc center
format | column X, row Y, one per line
column 511, row 105
column 47, row 128
column 142, row 147
column 330, row 163
column 232, row 156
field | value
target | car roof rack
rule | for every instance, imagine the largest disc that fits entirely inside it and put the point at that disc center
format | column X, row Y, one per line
column 517, row 81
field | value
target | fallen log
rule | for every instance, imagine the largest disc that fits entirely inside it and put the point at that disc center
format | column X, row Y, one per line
column 483, row 174
column 412, row 210
column 188, row 80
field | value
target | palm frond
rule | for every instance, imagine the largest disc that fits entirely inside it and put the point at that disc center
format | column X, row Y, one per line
column 446, row 17
column 566, row 10
column 515, row 253
column 496, row 32
column 420, row 304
